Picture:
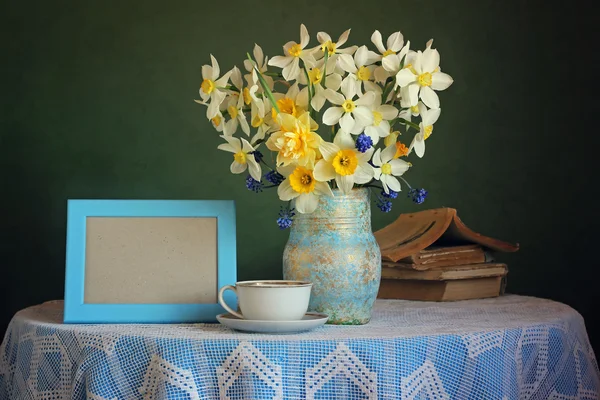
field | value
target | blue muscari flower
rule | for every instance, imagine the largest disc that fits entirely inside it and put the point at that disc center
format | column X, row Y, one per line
column 390, row 195
column 253, row 184
column 363, row 143
column 274, row 177
column 285, row 218
column 258, row 156
column 383, row 204
column 417, row 195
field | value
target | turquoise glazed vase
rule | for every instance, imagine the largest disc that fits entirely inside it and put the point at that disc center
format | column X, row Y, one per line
column 335, row 249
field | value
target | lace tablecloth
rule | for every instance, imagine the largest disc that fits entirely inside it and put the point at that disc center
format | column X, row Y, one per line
column 510, row 347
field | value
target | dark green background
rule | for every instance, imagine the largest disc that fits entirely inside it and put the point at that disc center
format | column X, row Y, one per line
column 97, row 102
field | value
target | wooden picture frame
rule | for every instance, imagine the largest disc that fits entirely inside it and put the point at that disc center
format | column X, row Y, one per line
column 148, row 261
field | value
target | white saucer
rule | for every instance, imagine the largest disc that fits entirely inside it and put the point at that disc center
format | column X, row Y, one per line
column 309, row 321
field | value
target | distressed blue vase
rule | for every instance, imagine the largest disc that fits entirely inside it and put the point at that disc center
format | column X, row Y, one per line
column 335, row 249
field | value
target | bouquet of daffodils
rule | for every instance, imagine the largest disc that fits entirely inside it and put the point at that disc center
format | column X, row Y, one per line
column 332, row 116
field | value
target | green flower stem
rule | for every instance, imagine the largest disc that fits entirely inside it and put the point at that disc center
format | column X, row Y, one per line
column 411, row 124
column 310, row 92
column 324, row 80
column 263, row 83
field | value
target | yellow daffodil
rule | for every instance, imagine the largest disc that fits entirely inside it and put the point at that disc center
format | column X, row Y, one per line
column 387, row 168
column 344, row 163
column 352, row 114
column 296, row 141
column 294, row 52
column 301, row 186
column 213, row 88
column 428, row 118
column 243, row 159
column 424, row 78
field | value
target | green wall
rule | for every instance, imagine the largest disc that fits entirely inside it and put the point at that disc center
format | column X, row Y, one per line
column 97, row 103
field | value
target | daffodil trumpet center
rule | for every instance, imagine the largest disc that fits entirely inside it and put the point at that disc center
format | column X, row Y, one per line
column 427, row 131
column 246, row 95
column 240, row 157
column 401, row 150
column 232, row 111
column 216, row 120
column 302, row 180
column 377, row 118
column 348, row 106
column 328, row 46
column 424, row 79
column 315, row 76
column 257, row 121
column 363, row 73
column 207, row 86
column 386, row 169
column 345, row 162
column 295, row 50
column 414, row 110
column 287, row 106
column 388, row 52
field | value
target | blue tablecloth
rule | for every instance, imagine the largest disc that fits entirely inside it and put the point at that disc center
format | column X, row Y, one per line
column 511, row 347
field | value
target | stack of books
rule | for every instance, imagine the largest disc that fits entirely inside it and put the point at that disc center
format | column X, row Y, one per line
column 433, row 256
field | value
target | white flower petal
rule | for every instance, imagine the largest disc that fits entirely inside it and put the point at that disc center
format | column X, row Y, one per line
column 388, row 112
column 377, row 158
column 285, row 191
column 413, row 94
column 343, row 140
column 440, row 81
column 259, row 57
column 216, row 71
column 363, row 115
column 207, row 72
column 395, row 41
column 388, row 153
column 323, row 189
column 346, row 63
column 429, row 97
column 367, row 99
column 432, row 116
column 380, row 74
column 361, row 56
column 383, row 179
column 323, row 37
column 307, row 203
column 405, row 77
column 318, row 101
column 292, row 70
column 226, row 147
column 363, row 174
column 430, row 60
column 376, row 173
column 332, row 115
column 343, row 38
column 304, row 38
column 418, row 63
column 418, row 144
column 393, row 183
column 349, row 87
column 333, row 82
column 346, row 122
column 280, row 61
column 334, row 97
column 345, row 182
column 373, row 87
column 237, row 168
column 399, row 167
column 244, row 123
column 254, row 168
column 378, row 41
column 328, row 150
column 391, row 63
column 324, row 171
column 236, row 78
column 373, row 133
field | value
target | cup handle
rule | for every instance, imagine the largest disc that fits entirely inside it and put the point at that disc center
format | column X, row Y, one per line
column 224, row 305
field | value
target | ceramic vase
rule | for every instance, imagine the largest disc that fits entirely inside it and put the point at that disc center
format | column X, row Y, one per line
column 335, row 249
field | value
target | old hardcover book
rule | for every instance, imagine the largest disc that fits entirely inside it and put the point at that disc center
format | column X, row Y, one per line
column 448, row 290
column 470, row 271
column 411, row 233
column 442, row 256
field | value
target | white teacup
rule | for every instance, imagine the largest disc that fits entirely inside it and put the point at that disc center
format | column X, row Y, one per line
column 273, row 300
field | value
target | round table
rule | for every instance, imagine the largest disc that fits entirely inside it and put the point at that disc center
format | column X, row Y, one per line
column 511, row 347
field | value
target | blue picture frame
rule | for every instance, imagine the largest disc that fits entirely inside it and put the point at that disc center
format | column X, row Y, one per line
column 77, row 311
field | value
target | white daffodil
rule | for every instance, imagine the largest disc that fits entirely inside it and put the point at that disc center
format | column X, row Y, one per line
column 333, row 81
column 387, row 168
column 261, row 119
column 344, row 163
column 361, row 68
column 294, row 52
column 242, row 156
column 301, row 186
column 218, row 122
column 333, row 49
column 212, row 87
column 395, row 42
column 352, row 115
column 382, row 114
column 391, row 63
column 261, row 63
column 235, row 109
column 423, row 78
column 428, row 118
